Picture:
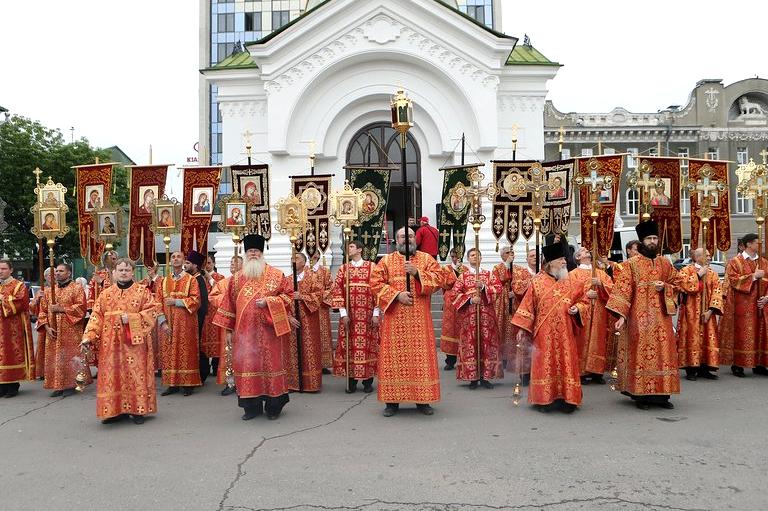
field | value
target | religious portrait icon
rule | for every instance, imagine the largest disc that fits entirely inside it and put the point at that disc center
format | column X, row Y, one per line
column 370, row 202
column 605, row 196
column 107, row 225
column 660, row 197
column 236, row 214
column 311, row 197
column 559, row 183
column 347, row 209
column 94, row 197
column 165, row 217
column 51, row 196
column 49, row 220
column 250, row 190
column 458, row 198
column 714, row 198
column 201, row 200
column 147, row 195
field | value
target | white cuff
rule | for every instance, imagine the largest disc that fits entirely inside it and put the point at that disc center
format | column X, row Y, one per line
column 376, row 312
column 342, row 312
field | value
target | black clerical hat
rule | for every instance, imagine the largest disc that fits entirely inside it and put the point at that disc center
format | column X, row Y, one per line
column 196, row 258
column 552, row 252
column 645, row 229
column 254, row 241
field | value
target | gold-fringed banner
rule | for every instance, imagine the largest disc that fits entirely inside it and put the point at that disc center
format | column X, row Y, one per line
column 314, row 191
column 147, row 185
column 454, row 208
column 665, row 200
column 93, row 190
column 719, row 230
column 607, row 165
column 252, row 183
column 374, row 183
column 201, row 187
column 513, row 212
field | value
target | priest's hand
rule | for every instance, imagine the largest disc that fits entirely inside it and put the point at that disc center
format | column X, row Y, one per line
column 475, row 300
column 345, row 319
column 759, row 274
column 57, row 308
column 261, row 303
column 294, row 322
column 296, row 295
column 762, row 301
column 619, row 325
column 706, row 316
column 573, row 310
column 659, row 285
column 405, row 297
column 166, row 328
column 597, row 282
column 410, row 268
column 591, row 294
column 375, row 320
column 170, row 302
column 50, row 331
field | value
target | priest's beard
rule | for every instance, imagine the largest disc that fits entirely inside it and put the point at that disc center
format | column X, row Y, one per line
column 649, row 252
column 254, row 268
column 560, row 274
column 401, row 248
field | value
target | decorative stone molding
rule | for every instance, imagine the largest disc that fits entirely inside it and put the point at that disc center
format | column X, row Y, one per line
column 382, row 30
column 742, row 135
column 515, row 103
column 242, row 109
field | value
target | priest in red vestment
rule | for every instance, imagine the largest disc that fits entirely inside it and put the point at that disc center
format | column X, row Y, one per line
column 698, row 343
column 63, row 325
column 742, row 329
column 179, row 293
column 121, row 323
column 34, row 310
column 309, row 297
column 449, row 331
column 323, row 274
column 407, row 355
column 214, row 301
column 592, row 339
column 643, row 297
column 255, row 312
column 359, row 321
column 548, row 312
column 17, row 359
column 475, row 292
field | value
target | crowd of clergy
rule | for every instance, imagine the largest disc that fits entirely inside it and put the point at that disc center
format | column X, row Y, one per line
column 263, row 334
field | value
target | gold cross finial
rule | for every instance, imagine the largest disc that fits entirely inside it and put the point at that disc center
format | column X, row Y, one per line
column 37, row 173
column 764, row 154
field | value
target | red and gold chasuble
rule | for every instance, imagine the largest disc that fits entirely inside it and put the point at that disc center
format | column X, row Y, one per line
column 210, row 342
column 215, row 298
column 450, row 329
column 62, row 350
column 34, row 310
column 260, row 334
column 555, row 359
column 698, row 343
column 364, row 344
column 593, row 338
column 311, row 291
column 490, row 352
column 742, row 330
column 518, row 284
column 407, row 355
column 323, row 275
column 646, row 358
column 17, row 359
column 126, row 382
column 180, row 351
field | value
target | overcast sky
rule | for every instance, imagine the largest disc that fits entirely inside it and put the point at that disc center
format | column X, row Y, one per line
column 126, row 72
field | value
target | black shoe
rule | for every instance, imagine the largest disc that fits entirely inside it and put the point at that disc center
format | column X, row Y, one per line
column 526, row 379
column 568, row 407
column 11, row 393
column 707, row 375
column 449, row 367
column 425, row 409
column 137, row 419
column 598, row 379
column 486, row 384
column 351, row 387
column 273, row 415
column 228, row 391
column 691, row 377
column 761, row 370
column 737, row 371
column 585, row 380
column 368, row 388
column 666, row 404
column 188, row 391
column 251, row 413
column 391, row 409
column 169, row 391
column 326, row 371
column 473, row 384
column 110, row 420
column 2, row 391
column 642, row 405
column 57, row 393
column 543, row 408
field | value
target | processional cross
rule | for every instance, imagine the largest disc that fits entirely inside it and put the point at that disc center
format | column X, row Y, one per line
column 596, row 182
column 641, row 180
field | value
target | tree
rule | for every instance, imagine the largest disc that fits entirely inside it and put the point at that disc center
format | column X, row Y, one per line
column 25, row 145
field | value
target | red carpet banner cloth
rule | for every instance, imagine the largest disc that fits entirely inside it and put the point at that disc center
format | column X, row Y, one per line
column 147, row 185
column 252, row 183
column 93, row 190
column 719, row 230
column 201, row 186
column 314, row 190
column 665, row 201
column 610, row 165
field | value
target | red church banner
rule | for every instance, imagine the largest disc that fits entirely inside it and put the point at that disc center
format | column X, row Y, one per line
column 607, row 165
column 201, row 186
column 93, row 188
column 665, row 200
column 147, row 185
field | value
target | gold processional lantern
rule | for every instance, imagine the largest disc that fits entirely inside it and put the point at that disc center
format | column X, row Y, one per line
column 108, row 222
column 402, row 112
column 346, row 206
column 235, row 214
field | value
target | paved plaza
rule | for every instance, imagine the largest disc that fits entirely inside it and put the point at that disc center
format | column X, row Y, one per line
column 336, row 451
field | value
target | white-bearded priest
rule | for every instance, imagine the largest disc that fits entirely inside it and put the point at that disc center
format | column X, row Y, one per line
column 644, row 299
column 254, row 311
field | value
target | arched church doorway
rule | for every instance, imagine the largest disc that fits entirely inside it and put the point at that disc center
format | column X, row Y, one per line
column 378, row 145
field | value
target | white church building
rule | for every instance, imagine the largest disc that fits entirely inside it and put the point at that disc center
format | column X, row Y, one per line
column 329, row 75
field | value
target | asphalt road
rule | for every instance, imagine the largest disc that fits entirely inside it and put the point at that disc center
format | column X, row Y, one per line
column 336, row 451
